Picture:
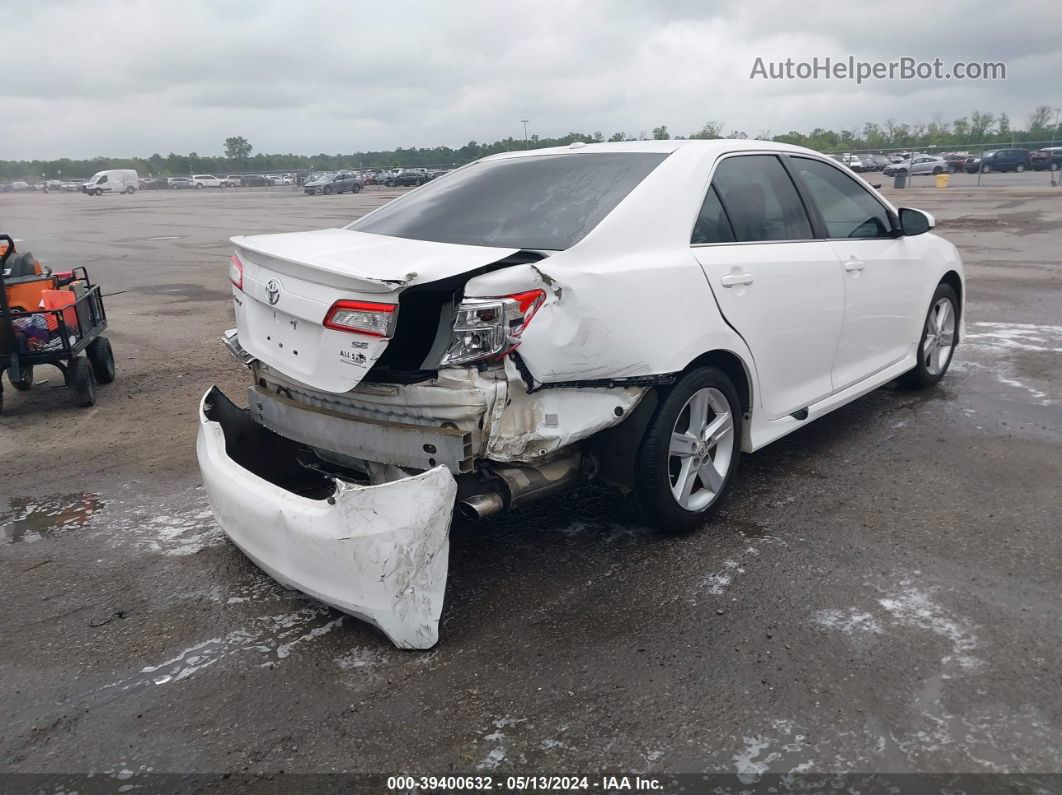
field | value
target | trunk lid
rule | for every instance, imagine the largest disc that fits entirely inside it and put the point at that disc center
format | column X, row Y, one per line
column 291, row 280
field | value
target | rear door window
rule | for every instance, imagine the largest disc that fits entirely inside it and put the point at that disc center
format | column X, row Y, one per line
column 760, row 199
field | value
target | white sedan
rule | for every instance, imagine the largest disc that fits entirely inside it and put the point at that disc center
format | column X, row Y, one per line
column 920, row 164
column 637, row 314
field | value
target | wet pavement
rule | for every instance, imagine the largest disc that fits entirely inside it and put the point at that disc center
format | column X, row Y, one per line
column 881, row 592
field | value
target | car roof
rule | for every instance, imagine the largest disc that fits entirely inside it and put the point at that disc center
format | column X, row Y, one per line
column 718, row 145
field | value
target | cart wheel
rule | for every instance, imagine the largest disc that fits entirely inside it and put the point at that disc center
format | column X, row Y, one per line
column 24, row 383
column 82, row 384
column 102, row 359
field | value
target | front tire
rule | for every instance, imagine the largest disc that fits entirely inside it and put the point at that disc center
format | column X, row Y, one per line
column 689, row 452
column 81, row 382
column 939, row 336
column 1018, row 169
column 101, row 357
column 25, row 381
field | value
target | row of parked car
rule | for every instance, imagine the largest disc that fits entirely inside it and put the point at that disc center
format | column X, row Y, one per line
column 1017, row 160
column 353, row 181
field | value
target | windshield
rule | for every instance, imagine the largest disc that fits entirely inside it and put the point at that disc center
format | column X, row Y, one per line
column 538, row 202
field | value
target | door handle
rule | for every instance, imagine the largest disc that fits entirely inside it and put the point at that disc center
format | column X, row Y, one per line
column 854, row 265
column 736, row 279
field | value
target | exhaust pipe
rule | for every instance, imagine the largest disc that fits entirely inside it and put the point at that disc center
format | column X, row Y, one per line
column 480, row 506
column 516, row 484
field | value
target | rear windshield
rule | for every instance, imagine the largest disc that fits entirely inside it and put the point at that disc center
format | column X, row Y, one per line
column 538, row 202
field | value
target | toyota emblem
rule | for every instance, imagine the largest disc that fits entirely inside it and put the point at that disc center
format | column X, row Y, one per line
column 273, row 291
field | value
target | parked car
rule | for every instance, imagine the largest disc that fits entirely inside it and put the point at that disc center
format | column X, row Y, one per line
column 154, row 183
column 920, row 164
column 854, row 162
column 72, row 185
column 254, row 181
column 232, row 181
column 207, row 181
column 957, row 160
column 1047, row 159
column 115, row 180
column 19, row 185
column 341, row 182
column 407, row 177
column 471, row 345
column 1016, row 160
column 180, row 183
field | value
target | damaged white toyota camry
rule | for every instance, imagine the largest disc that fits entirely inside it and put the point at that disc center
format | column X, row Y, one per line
column 636, row 314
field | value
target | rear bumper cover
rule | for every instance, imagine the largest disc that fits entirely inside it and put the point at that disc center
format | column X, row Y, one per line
column 379, row 553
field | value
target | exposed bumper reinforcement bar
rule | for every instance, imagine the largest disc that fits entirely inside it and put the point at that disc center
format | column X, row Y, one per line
column 401, row 444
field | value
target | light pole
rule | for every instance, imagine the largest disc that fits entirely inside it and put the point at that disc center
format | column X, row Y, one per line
column 524, row 122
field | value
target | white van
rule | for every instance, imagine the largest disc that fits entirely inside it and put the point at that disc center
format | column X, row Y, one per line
column 116, row 180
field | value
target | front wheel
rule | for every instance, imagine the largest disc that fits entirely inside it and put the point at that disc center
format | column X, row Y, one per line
column 689, row 452
column 986, row 169
column 102, row 359
column 328, row 190
column 25, row 379
column 939, row 335
column 81, row 382
column 1019, row 168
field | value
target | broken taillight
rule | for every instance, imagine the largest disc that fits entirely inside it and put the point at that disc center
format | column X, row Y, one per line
column 363, row 317
column 486, row 328
column 236, row 272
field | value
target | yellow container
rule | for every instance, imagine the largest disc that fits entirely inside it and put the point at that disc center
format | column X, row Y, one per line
column 942, row 180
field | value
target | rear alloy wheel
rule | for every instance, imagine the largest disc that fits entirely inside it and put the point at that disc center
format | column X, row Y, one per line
column 689, row 452
column 939, row 335
column 1019, row 168
column 81, row 382
column 25, row 380
column 1054, row 166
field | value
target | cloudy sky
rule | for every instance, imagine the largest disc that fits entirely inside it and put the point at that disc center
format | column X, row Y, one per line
column 132, row 77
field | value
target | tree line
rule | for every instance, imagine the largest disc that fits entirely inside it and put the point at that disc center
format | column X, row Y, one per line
column 979, row 128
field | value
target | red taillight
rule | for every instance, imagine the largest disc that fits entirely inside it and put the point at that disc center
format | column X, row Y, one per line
column 236, row 272
column 362, row 317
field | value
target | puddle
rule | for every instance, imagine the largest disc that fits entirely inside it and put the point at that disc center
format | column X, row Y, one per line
column 30, row 519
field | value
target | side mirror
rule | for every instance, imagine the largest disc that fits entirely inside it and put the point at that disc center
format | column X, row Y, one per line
column 915, row 222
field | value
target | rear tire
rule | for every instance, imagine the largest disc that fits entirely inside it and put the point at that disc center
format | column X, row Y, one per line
column 1018, row 169
column 689, row 452
column 25, row 383
column 101, row 358
column 81, row 382
column 939, row 337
